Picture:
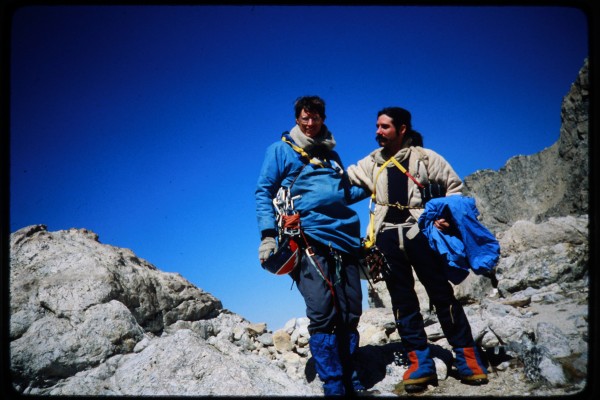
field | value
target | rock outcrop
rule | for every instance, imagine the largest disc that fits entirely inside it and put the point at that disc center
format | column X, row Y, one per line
column 88, row 318
column 551, row 183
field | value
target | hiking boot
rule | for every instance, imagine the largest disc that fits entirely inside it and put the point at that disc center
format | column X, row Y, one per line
column 421, row 371
column 474, row 380
column 471, row 368
column 419, row 385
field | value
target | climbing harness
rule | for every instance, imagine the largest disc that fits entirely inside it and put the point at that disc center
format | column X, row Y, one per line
column 374, row 258
column 369, row 241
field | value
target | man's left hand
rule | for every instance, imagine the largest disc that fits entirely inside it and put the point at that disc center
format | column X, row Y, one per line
column 441, row 224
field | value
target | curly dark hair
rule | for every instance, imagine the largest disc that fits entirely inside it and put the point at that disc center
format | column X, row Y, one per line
column 312, row 104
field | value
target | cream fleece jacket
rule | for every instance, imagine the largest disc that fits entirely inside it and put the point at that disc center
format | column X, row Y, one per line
column 424, row 165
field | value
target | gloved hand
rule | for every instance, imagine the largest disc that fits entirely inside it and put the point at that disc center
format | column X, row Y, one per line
column 267, row 246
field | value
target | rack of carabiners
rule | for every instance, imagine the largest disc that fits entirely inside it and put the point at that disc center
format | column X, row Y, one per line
column 288, row 222
column 288, row 219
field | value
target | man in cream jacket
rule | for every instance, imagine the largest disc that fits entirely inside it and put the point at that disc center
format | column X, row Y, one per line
column 396, row 174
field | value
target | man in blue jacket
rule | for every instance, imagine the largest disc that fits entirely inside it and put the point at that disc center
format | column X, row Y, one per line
column 328, row 273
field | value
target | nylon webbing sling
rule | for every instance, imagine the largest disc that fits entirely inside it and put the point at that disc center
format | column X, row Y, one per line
column 370, row 239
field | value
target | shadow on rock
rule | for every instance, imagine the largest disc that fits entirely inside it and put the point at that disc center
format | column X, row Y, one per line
column 372, row 361
column 443, row 354
column 310, row 371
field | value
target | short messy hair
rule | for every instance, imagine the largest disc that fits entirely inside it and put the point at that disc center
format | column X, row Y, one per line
column 312, row 104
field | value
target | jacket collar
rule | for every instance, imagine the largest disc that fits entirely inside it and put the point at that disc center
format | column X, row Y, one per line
column 324, row 141
column 379, row 157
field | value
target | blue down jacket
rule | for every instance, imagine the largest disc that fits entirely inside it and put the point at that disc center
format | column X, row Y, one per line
column 471, row 246
column 325, row 193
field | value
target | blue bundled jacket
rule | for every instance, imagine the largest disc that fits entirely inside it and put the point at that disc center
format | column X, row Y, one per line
column 325, row 196
column 472, row 246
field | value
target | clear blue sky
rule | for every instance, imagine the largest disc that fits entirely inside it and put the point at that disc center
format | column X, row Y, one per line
column 148, row 124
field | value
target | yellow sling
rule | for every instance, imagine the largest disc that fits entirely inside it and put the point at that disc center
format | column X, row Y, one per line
column 370, row 239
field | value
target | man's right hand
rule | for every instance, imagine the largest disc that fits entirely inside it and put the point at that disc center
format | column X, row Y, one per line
column 266, row 248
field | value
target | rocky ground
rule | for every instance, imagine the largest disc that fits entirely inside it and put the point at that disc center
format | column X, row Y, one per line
column 94, row 319
column 510, row 383
column 507, row 374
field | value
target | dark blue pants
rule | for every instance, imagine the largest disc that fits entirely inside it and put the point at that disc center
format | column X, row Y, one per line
column 430, row 270
column 329, row 311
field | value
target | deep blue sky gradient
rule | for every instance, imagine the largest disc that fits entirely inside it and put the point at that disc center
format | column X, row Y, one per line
column 148, row 124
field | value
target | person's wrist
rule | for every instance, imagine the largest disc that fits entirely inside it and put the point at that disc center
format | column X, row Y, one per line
column 268, row 233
